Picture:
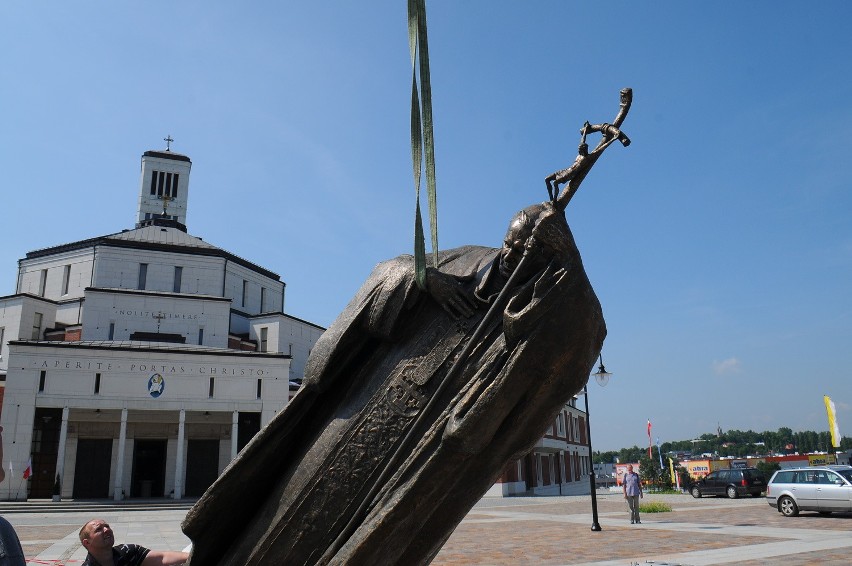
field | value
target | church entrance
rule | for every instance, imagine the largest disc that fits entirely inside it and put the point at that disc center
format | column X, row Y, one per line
column 149, row 469
column 202, row 466
column 91, row 472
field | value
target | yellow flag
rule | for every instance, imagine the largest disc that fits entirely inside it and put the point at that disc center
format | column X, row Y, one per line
column 832, row 421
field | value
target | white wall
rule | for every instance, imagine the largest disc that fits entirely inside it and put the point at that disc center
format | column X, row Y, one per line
column 255, row 281
column 80, row 274
column 136, row 312
column 119, row 268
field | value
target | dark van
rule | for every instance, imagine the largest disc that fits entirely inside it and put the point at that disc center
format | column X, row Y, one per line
column 735, row 482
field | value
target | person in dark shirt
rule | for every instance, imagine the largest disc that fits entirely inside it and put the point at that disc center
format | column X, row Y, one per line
column 97, row 537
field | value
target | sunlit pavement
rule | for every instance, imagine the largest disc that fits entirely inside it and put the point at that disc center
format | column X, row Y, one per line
column 540, row 530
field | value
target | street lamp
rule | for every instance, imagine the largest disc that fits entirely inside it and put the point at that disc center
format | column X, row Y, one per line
column 602, row 377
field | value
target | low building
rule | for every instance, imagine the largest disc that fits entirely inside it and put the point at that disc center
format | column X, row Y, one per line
column 559, row 463
column 138, row 363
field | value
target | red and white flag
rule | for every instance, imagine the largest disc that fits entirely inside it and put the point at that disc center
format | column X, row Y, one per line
column 28, row 471
column 649, row 438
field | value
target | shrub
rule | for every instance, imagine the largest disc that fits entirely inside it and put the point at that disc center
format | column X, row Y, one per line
column 655, row 507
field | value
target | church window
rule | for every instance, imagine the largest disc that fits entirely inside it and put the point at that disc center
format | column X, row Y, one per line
column 263, row 299
column 97, row 384
column 164, row 184
column 259, row 387
column 143, row 276
column 111, row 331
column 37, row 320
column 212, row 387
column 245, row 292
column 178, row 277
column 41, row 380
column 42, row 282
column 264, row 339
column 2, row 332
column 66, row 279
column 201, row 336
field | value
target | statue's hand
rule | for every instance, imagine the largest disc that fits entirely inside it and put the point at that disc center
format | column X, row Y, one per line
column 552, row 275
column 449, row 293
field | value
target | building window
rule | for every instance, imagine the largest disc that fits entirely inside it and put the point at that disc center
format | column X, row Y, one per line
column 245, row 291
column 143, row 276
column 263, row 299
column 264, row 339
column 560, row 424
column 259, row 387
column 66, row 279
column 42, row 282
column 41, row 379
column 97, row 384
column 164, row 184
column 2, row 332
column 111, row 331
column 37, row 319
column 200, row 336
column 178, row 277
column 290, row 350
column 212, row 387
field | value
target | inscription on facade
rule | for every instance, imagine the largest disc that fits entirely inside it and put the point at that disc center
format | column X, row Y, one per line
column 211, row 370
column 159, row 315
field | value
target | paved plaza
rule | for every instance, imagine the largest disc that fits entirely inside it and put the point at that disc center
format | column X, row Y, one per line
column 525, row 531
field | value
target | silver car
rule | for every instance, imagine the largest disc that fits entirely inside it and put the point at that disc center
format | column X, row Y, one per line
column 825, row 489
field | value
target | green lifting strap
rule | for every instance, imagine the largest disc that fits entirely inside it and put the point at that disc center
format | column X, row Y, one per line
column 422, row 139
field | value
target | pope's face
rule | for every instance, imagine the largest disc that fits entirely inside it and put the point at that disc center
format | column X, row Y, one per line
column 513, row 246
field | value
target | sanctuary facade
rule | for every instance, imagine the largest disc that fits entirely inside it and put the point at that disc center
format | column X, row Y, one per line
column 138, row 364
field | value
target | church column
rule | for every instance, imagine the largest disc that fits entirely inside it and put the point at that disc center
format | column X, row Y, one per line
column 119, row 465
column 63, row 437
column 235, row 419
column 179, row 463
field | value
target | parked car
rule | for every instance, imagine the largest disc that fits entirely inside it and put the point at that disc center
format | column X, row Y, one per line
column 821, row 488
column 734, row 483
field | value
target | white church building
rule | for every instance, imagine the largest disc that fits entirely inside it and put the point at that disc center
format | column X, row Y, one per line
column 138, row 363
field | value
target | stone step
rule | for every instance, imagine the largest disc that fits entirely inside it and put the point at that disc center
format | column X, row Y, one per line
column 73, row 505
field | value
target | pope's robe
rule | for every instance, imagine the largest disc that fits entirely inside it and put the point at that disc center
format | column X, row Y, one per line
column 368, row 384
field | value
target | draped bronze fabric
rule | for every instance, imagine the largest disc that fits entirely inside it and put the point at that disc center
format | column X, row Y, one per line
column 292, row 491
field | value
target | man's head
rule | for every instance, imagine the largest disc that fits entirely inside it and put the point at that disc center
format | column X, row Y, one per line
column 97, row 535
column 629, row 469
column 550, row 233
column 520, row 229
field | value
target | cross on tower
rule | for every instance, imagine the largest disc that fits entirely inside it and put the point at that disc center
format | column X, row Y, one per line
column 168, row 139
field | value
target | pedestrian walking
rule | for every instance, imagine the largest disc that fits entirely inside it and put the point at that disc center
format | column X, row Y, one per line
column 632, row 486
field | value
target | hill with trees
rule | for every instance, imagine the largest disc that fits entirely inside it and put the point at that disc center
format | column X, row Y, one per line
column 734, row 443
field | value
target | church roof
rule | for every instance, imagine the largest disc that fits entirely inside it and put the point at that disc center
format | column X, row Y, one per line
column 156, row 238
column 161, row 235
column 167, row 155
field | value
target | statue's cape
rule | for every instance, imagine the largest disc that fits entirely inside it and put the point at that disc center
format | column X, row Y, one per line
column 297, row 484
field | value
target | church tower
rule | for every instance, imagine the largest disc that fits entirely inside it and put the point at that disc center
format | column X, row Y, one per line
column 164, row 185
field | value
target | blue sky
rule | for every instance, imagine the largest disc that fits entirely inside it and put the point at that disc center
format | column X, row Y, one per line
column 719, row 243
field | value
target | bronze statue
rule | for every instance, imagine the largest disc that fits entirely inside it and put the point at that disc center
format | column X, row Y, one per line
column 414, row 401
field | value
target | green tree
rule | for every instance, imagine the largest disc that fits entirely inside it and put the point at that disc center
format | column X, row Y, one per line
column 649, row 470
column 768, row 468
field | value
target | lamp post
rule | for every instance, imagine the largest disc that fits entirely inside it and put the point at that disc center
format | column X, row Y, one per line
column 602, row 377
